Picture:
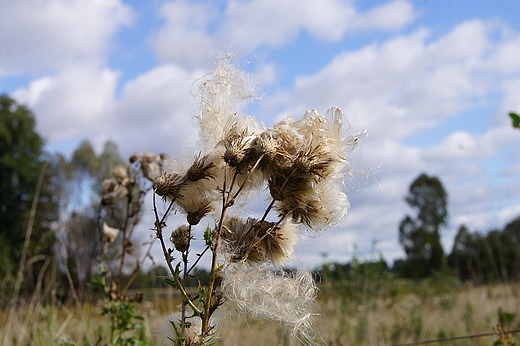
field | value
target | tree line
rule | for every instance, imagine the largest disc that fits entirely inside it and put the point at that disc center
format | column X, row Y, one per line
column 480, row 257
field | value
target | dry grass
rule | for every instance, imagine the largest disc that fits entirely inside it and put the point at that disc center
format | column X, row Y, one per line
column 406, row 317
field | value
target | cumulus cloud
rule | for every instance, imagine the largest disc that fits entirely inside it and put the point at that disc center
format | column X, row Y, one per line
column 464, row 145
column 38, row 35
column 77, row 101
column 409, row 83
column 193, row 29
column 155, row 110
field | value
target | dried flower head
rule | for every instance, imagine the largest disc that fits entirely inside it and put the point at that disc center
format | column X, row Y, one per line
column 202, row 168
column 168, row 185
column 308, row 167
column 151, row 164
column 181, row 238
column 239, row 152
column 253, row 240
column 194, row 202
column 109, row 234
column 111, row 191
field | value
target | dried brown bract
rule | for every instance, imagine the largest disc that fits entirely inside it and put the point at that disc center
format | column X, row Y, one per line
column 168, row 185
column 181, row 237
column 202, row 168
column 253, row 240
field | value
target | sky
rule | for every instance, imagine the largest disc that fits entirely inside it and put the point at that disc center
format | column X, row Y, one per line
column 431, row 81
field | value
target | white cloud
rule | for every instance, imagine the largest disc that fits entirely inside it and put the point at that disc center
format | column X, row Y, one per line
column 390, row 16
column 407, row 83
column 184, row 38
column 191, row 30
column 154, row 111
column 76, row 102
column 37, row 35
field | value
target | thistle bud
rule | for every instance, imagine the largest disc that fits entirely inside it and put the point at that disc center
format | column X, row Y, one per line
column 181, row 238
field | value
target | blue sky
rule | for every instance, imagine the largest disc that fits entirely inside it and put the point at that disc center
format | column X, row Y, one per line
column 431, row 81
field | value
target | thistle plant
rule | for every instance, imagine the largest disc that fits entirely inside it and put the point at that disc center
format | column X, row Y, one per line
column 122, row 197
column 301, row 164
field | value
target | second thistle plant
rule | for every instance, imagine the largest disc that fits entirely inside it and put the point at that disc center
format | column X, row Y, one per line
column 301, row 163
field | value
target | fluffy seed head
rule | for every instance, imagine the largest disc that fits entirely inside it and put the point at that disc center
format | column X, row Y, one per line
column 223, row 95
column 168, row 185
column 254, row 241
column 262, row 293
column 109, row 234
column 111, row 191
column 202, row 168
column 151, row 164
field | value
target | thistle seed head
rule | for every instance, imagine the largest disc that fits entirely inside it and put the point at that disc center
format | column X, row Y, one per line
column 120, row 173
column 202, row 168
column 254, row 241
column 181, row 238
column 151, row 164
column 111, row 191
column 109, row 234
column 168, row 185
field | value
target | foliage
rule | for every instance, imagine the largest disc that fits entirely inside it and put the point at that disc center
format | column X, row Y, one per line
column 487, row 258
column 22, row 163
column 362, row 280
column 515, row 118
column 126, row 321
column 420, row 236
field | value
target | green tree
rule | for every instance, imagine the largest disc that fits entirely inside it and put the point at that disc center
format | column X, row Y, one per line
column 22, row 163
column 420, row 235
column 108, row 159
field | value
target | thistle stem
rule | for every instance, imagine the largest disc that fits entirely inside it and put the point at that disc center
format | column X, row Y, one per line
column 167, row 256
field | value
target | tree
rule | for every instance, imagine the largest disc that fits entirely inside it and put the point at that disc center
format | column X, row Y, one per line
column 79, row 243
column 22, row 163
column 420, row 235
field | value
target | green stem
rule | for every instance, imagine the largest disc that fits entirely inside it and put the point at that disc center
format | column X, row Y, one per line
column 159, row 234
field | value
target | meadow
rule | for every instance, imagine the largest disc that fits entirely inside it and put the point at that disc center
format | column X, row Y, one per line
column 402, row 312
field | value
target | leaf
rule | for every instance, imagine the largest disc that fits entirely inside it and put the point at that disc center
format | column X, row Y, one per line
column 208, row 235
column 516, row 119
column 170, row 282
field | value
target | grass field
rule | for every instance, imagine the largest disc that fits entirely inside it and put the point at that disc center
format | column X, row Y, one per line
column 407, row 313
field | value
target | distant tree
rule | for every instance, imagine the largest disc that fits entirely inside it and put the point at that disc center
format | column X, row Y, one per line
column 79, row 244
column 487, row 258
column 464, row 256
column 108, row 159
column 420, row 235
column 21, row 165
column 21, row 149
